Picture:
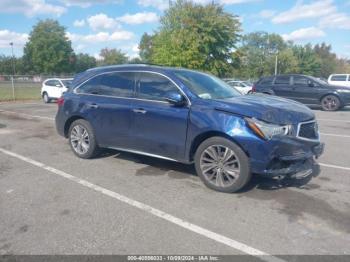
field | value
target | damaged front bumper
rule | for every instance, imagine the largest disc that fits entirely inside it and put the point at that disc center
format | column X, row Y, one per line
column 283, row 156
column 295, row 166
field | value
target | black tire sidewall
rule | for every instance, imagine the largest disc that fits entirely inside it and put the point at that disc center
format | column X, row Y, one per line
column 93, row 147
column 335, row 109
column 245, row 173
column 46, row 98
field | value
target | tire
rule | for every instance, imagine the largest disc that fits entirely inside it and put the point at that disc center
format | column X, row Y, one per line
column 330, row 103
column 228, row 175
column 46, row 98
column 82, row 139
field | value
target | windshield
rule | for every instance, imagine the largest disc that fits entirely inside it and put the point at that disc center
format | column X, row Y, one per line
column 66, row 83
column 206, row 86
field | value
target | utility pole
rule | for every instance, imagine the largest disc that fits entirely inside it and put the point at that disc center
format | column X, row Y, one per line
column 276, row 62
column 14, row 72
column 13, row 59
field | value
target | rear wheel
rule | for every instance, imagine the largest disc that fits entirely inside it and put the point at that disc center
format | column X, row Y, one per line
column 222, row 165
column 330, row 103
column 46, row 98
column 82, row 139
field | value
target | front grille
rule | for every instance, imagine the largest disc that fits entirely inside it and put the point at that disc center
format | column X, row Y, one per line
column 308, row 130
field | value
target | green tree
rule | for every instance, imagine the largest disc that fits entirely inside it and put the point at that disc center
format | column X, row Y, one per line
column 48, row 49
column 6, row 65
column 145, row 47
column 84, row 62
column 196, row 36
column 257, row 54
column 112, row 57
column 287, row 62
column 308, row 61
column 327, row 59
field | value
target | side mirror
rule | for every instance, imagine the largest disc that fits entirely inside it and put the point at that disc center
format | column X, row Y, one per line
column 311, row 84
column 58, row 85
column 175, row 98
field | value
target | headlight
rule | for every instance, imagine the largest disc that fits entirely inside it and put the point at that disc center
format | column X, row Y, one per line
column 266, row 130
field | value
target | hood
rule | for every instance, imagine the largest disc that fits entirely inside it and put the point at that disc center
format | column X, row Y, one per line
column 271, row 109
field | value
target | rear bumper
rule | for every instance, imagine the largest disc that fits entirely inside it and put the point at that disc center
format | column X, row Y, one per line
column 60, row 121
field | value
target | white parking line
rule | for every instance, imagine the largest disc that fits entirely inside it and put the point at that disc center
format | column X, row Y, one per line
column 26, row 115
column 336, row 135
column 334, row 166
column 151, row 210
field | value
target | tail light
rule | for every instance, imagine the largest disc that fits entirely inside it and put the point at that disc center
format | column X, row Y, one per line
column 253, row 88
column 60, row 101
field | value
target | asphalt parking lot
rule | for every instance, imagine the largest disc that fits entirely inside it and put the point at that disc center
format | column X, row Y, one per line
column 51, row 202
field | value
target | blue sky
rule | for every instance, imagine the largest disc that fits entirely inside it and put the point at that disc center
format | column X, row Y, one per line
column 92, row 25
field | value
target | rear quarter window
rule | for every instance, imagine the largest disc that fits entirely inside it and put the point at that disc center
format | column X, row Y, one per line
column 338, row 78
column 266, row 81
column 117, row 84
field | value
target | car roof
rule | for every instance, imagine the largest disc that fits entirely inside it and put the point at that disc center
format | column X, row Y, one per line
column 83, row 76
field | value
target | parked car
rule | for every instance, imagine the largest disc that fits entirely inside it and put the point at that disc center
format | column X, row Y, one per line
column 339, row 80
column 188, row 116
column 305, row 89
column 244, row 87
column 54, row 88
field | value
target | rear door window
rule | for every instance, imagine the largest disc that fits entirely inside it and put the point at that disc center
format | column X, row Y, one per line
column 118, row 84
column 338, row 78
column 282, row 80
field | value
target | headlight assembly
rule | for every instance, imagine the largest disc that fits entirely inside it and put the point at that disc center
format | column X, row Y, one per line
column 266, row 130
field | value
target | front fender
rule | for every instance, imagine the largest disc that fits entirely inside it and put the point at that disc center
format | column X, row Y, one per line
column 206, row 122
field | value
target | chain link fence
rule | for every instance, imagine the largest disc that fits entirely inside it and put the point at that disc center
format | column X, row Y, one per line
column 22, row 87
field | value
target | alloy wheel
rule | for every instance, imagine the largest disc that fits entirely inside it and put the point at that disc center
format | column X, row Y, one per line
column 330, row 103
column 79, row 139
column 220, row 165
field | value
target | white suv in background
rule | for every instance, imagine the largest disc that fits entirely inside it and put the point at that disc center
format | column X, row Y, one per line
column 339, row 80
column 53, row 88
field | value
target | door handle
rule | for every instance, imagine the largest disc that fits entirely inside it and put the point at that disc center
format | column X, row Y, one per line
column 139, row 111
column 93, row 106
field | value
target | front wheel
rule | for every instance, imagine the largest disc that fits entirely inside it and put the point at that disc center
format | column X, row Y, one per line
column 330, row 103
column 222, row 165
column 82, row 139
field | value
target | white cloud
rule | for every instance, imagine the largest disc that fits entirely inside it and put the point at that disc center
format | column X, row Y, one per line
column 159, row 4
column 102, row 22
column 267, row 13
column 304, row 34
column 87, row 3
column 139, row 18
column 79, row 23
column 335, row 20
column 31, row 7
column 135, row 48
column 18, row 39
column 101, row 37
column 98, row 57
column 302, row 11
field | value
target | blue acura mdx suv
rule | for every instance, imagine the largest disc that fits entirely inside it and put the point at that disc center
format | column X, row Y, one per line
column 188, row 116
